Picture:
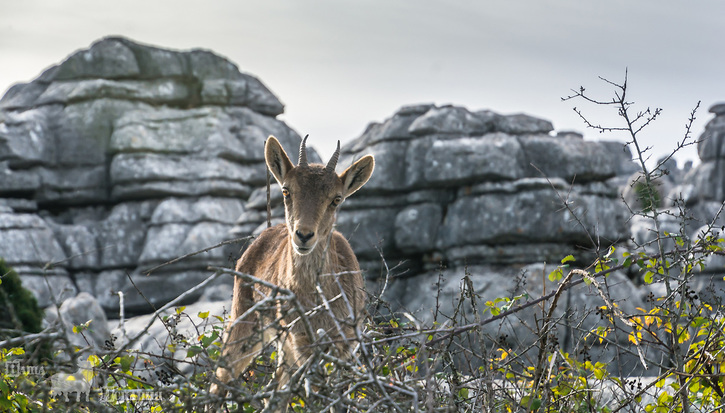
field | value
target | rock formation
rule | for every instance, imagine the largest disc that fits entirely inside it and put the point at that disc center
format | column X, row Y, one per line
column 126, row 156
column 123, row 157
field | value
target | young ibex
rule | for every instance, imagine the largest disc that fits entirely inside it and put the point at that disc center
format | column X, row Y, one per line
column 303, row 253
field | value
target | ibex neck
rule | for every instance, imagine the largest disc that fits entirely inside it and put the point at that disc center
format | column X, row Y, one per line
column 312, row 265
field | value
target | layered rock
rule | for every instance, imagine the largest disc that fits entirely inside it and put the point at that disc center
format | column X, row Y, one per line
column 123, row 157
column 478, row 188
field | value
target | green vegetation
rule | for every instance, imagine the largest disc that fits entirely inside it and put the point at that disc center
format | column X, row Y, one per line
column 18, row 305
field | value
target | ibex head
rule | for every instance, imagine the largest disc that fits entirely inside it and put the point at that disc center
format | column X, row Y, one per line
column 313, row 192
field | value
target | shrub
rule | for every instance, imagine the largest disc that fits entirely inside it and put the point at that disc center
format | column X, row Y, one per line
column 21, row 307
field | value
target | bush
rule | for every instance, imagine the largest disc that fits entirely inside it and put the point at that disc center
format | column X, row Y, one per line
column 21, row 307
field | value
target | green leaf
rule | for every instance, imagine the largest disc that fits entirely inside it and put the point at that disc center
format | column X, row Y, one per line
column 206, row 341
column 125, row 363
column 193, row 351
column 463, row 393
column 568, row 258
column 648, row 277
column 180, row 309
column 556, row 275
column 203, row 314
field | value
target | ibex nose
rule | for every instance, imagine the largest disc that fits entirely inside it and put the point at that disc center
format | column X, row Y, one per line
column 304, row 237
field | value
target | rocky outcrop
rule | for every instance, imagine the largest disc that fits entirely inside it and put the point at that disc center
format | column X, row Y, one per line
column 478, row 193
column 123, row 157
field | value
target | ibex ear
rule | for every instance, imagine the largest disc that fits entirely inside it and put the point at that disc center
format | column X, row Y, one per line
column 277, row 160
column 356, row 175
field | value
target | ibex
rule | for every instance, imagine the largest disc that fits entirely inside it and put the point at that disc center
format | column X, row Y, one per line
column 299, row 255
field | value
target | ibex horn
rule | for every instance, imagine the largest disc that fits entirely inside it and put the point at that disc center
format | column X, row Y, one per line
column 303, row 153
column 333, row 161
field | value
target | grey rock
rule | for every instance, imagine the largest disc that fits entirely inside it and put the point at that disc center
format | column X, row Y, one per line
column 108, row 58
column 178, row 210
column 531, row 216
column 25, row 239
column 389, row 172
column 170, row 241
column 21, row 182
column 450, row 119
column 221, row 292
column 83, row 130
column 708, row 179
column 154, row 62
column 79, row 245
column 72, row 185
column 106, row 285
column 486, row 158
column 121, row 235
column 511, row 254
column 155, row 290
column 127, row 168
column 168, row 130
column 251, row 216
column 258, row 198
column 711, row 145
column 26, row 137
column 368, row 230
column 19, row 205
column 163, row 243
column 718, row 109
column 48, row 289
column 22, row 95
column 416, row 227
column 121, row 145
column 158, row 189
column 521, row 124
column 511, row 187
column 160, row 91
column 571, row 159
column 80, row 310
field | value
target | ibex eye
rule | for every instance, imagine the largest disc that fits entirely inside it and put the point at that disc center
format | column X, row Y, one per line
column 285, row 192
column 336, row 201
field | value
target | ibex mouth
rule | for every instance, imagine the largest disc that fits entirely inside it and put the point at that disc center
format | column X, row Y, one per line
column 302, row 250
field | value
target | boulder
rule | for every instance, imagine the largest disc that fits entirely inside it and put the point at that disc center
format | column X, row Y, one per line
column 85, row 311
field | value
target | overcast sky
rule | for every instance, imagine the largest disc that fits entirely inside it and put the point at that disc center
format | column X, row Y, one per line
column 338, row 65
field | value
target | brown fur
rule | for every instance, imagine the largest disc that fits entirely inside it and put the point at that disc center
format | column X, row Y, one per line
column 299, row 255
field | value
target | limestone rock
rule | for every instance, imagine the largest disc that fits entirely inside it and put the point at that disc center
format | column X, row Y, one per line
column 480, row 187
column 416, row 227
column 83, row 309
column 123, row 157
